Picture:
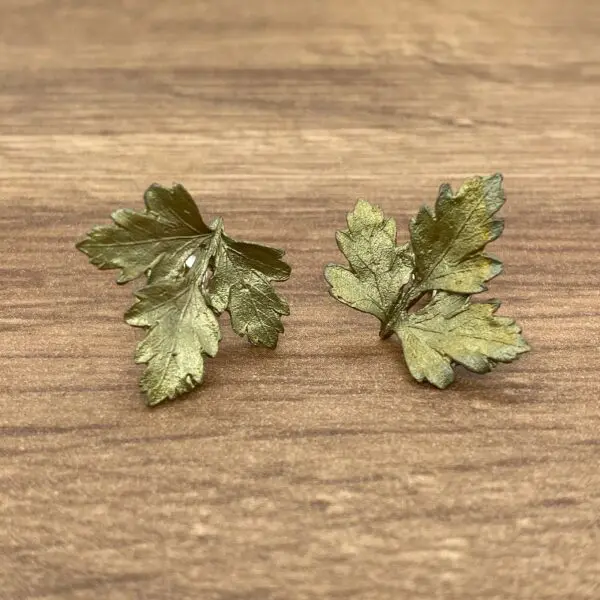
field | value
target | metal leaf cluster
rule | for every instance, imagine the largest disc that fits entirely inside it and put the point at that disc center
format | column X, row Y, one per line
column 194, row 272
column 444, row 262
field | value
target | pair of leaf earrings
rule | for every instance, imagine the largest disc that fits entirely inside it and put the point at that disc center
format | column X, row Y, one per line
column 419, row 290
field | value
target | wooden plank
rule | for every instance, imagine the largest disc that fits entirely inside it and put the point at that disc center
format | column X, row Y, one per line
column 319, row 470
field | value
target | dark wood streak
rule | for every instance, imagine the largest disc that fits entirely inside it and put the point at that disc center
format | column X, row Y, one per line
column 39, row 431
column 320, row 470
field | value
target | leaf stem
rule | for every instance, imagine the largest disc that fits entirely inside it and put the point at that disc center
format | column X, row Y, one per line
column 408, row 296
column 200, row 267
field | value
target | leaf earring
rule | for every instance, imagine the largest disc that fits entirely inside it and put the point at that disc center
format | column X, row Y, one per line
column 194, row 273
column 443, row 263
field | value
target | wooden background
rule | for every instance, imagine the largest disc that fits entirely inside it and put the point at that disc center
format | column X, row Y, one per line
column 320, row 470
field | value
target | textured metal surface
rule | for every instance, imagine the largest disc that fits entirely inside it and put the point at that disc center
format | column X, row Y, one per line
column 319, row 470
column 194, row 273
column 444, row 263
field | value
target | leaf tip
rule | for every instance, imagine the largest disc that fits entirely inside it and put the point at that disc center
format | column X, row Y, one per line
column 151, row 192
column 496, row 267
column 364, row 212
column 81, row 245
column 152, row 401
column 497, row 228
column 270, row 344
column 445, row 191
column 154, row 187
column 286, row 268
column 362, row 203
column 442, row 384
column 327, row 272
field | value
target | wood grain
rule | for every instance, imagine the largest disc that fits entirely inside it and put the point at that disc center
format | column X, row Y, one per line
column 320, row 470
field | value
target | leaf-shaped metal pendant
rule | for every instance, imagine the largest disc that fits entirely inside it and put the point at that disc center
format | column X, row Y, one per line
column 194, row 273
column 444, row 257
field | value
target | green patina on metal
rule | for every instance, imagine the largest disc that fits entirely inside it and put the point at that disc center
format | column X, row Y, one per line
column 444, row 263
column 194, row 273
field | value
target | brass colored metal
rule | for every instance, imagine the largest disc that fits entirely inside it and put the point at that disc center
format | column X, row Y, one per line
column 444, row 263
column 194, row 273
